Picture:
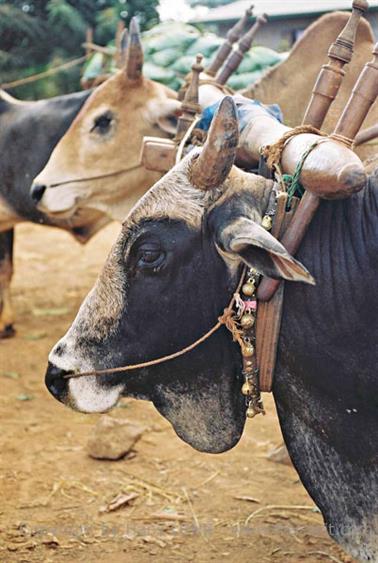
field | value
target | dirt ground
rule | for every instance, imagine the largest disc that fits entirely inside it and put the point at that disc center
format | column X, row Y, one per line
column 190, row 506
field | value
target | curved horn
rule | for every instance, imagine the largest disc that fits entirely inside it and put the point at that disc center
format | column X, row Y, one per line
column 134, row 62
column 215, row 161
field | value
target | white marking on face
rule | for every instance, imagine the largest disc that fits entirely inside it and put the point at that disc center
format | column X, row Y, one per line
column 60, row 200
column 88, row 396
column 84, row 394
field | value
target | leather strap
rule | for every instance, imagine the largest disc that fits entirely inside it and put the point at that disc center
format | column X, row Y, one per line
column 269, row 313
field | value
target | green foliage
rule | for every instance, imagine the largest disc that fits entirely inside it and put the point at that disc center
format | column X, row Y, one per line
column 36, row 35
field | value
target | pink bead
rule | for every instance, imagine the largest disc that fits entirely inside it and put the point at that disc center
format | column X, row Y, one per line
column 250, row 305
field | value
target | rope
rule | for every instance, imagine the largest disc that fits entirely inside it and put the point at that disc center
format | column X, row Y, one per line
column 292, row 183
column 99, row 177
column 224, row 319
column 273, row 155
column 40, row 75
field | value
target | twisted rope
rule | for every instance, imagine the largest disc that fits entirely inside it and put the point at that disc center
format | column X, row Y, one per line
column 225, row 319
column 273, row 155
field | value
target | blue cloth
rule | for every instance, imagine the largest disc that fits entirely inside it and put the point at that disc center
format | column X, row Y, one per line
column 243, row 106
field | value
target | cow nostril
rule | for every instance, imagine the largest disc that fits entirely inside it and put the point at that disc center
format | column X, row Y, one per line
column 37, row 191
column 55, row 382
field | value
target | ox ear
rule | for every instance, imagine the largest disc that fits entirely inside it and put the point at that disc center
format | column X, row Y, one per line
column 257, row 248
column 165, row 114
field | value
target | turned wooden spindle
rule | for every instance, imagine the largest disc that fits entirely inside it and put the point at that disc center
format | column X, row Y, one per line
column 236, row 57
column 232, row 36
column 124, row 40
column 325, row 91
column 88, row 41
column 331, row 75
column 118, row 40
column 366, row 135
column 190, row 106
column 363, row 96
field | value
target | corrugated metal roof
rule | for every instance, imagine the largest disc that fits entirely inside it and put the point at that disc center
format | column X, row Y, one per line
column 278, row 8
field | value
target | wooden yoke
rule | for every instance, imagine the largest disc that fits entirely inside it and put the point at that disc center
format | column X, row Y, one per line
column 160, row 154
column 331, row 75
column 366, row 135
column 362, row 98
column 236, row 57
column 190, row 106
column 271, row 292
column 319, row 102
column 232, row 36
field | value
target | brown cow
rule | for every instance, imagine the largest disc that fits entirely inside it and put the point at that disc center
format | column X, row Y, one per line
column 85, row 170
column 120, row 105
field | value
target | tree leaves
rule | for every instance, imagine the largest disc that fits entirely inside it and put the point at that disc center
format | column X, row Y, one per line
column 34, row 34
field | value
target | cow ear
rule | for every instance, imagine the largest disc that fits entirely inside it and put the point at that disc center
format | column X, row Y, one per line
column 166, row 114
column 257, row 248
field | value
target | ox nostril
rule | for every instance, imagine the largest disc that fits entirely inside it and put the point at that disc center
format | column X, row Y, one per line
column 55, row 382
column 37, row 191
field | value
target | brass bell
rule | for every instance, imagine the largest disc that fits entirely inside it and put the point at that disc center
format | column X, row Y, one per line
column 247, row 321
column 248, row 350
column 267, row 222
column 249, row 289
column 246, row 388
column 251, row 412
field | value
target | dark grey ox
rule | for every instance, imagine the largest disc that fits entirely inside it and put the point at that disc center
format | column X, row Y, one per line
column 172, row 271
column 28, row 133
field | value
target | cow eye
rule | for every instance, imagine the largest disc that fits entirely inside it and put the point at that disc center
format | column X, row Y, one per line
column 102, row 123
column 150, row 256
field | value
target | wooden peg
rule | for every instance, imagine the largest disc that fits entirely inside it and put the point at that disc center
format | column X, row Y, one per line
column 364, row 94
column 236, row 57
column 366, row 135
column 124, row 41
column 118, row 40
column 232, row 36
column 190, row 106
column 331, row 75
column 88, row 41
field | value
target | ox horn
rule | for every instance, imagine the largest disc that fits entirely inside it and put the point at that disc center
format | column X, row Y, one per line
column 134, row 61
column 214, row 163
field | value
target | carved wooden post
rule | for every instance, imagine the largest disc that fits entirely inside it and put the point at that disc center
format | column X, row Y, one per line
column 123, row 48
column 232, row 36
column 362, row 98
column 88, row 41
column 331, row 75
column 237, row 54
column 190, row 106
column 366, row 135
column 118, row 40
column 364, row 94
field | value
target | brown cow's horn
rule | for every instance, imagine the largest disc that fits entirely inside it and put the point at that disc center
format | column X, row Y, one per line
column 214, row 163
column 134, row 63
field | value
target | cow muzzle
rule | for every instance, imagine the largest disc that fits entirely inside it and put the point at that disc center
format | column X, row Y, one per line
column 56, row 383
column 37, row 191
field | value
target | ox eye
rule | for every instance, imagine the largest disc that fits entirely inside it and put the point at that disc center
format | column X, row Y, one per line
column 150, row 256
column 102, row 123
